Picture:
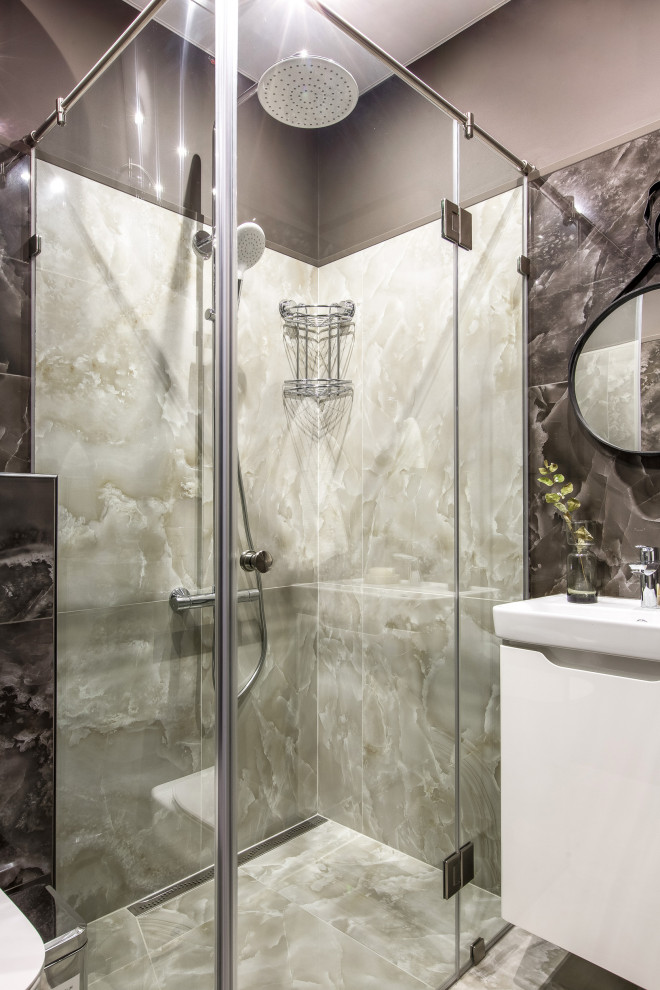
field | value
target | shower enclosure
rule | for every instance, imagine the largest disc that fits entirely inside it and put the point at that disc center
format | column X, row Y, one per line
column 346, row 830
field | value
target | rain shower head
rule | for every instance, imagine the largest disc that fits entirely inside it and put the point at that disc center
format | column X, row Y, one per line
column 307, row 91
column 251, row 244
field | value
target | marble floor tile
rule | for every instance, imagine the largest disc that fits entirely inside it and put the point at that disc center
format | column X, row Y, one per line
column 137, row 975
column 277, row 867
column 178, row 916
column 331, row 909
column 521, row 961
column 113, row 942
column 387, row 901
column 281, row 946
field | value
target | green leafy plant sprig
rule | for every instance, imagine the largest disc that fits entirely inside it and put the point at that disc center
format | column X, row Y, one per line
column 552, row 478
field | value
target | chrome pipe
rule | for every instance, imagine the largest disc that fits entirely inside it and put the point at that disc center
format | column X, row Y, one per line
column 63, row 104
column 400, row 70
column 247, row 94
column 182, row 601
column 225, row 468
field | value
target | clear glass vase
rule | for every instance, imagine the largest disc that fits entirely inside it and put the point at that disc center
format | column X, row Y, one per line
column 581, row 564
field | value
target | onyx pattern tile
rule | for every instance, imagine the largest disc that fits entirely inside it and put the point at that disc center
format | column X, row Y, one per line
column 138, row 975
column 622, row 494
column 178, row 916
column 27, row 546
column 15, row 210
column 389, row 902
column 15, row 339
column 521, row 961
column 277, row 867
column 128, row 683
column 113, row 942
column 14, row 423
column 26, row 743
column 580, row 263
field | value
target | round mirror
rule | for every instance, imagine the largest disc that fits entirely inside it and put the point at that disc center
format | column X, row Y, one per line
column 614, row 374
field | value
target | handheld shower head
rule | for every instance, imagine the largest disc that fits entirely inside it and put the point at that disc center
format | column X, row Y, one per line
column 251, row 243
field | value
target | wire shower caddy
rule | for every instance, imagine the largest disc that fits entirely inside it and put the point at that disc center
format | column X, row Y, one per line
column 318, row 341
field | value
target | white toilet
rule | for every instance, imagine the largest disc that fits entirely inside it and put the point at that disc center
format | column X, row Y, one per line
column 22, row 952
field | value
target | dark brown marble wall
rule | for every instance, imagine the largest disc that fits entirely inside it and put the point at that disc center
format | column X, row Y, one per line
column 27, row 566
column 27, row 582
column 15, row 351
column 588, row 239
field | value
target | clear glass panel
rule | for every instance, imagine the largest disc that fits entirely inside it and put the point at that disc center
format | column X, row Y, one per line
column 122, row 404
column 490, row 500
column 351, row 724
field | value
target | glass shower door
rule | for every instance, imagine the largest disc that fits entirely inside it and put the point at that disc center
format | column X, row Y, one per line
column 346, row 745
column 122, row 415
column 490, row 499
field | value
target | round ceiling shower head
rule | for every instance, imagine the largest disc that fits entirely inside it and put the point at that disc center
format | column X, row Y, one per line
column 307, row 91
column 251, row 244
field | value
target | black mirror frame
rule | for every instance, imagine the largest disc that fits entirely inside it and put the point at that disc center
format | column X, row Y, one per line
column 575, row 354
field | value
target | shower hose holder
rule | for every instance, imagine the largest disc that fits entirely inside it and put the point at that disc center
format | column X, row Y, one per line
column 318, row 341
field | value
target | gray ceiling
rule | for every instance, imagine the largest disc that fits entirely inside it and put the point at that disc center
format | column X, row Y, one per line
column 273, row 29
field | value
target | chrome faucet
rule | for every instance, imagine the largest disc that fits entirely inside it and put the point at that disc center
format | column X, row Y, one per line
column 649, row 562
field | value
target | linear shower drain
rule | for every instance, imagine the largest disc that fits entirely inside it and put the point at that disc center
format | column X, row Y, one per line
column 161, row 897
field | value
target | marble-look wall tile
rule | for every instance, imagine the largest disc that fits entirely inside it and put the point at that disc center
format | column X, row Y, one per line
column 14, row 423
column 340, row 445
column 278, row 461
column 277, row 733
column 622, row 494
column 480, row 736
column 129, row 681
column 490, row 400
column 340, row 705
column 409, row 736
column 15, row 353
column 118, row 380
column 386, row 654
column 408, row 468
column 276, row 775
column 27, row 676
column 579, row 265
column 27, row 547
column 26, row 743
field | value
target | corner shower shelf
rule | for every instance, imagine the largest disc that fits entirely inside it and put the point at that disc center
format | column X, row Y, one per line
column 318, row 341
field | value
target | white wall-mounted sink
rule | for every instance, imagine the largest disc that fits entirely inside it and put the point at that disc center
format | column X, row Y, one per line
column 580, row 696
column 616, row 626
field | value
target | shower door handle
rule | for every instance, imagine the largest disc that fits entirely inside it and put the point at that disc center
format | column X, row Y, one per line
column 256, row 560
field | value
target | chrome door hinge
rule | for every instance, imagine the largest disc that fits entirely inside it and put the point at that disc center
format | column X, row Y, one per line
column 477, row 951
column 524, row 265
column 34, row 246
column 456, row 224
column 458, row 870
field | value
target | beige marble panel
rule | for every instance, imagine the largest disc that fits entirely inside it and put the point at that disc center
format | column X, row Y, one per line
column 279, row 463
column 277, row 731
column 119, row 347
column 491, row 518
column 490, row 407
column 340, row 744
column 276, row 784
column 407, row 430
column 409, row 745
column 129, row 680
column 480, row 737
